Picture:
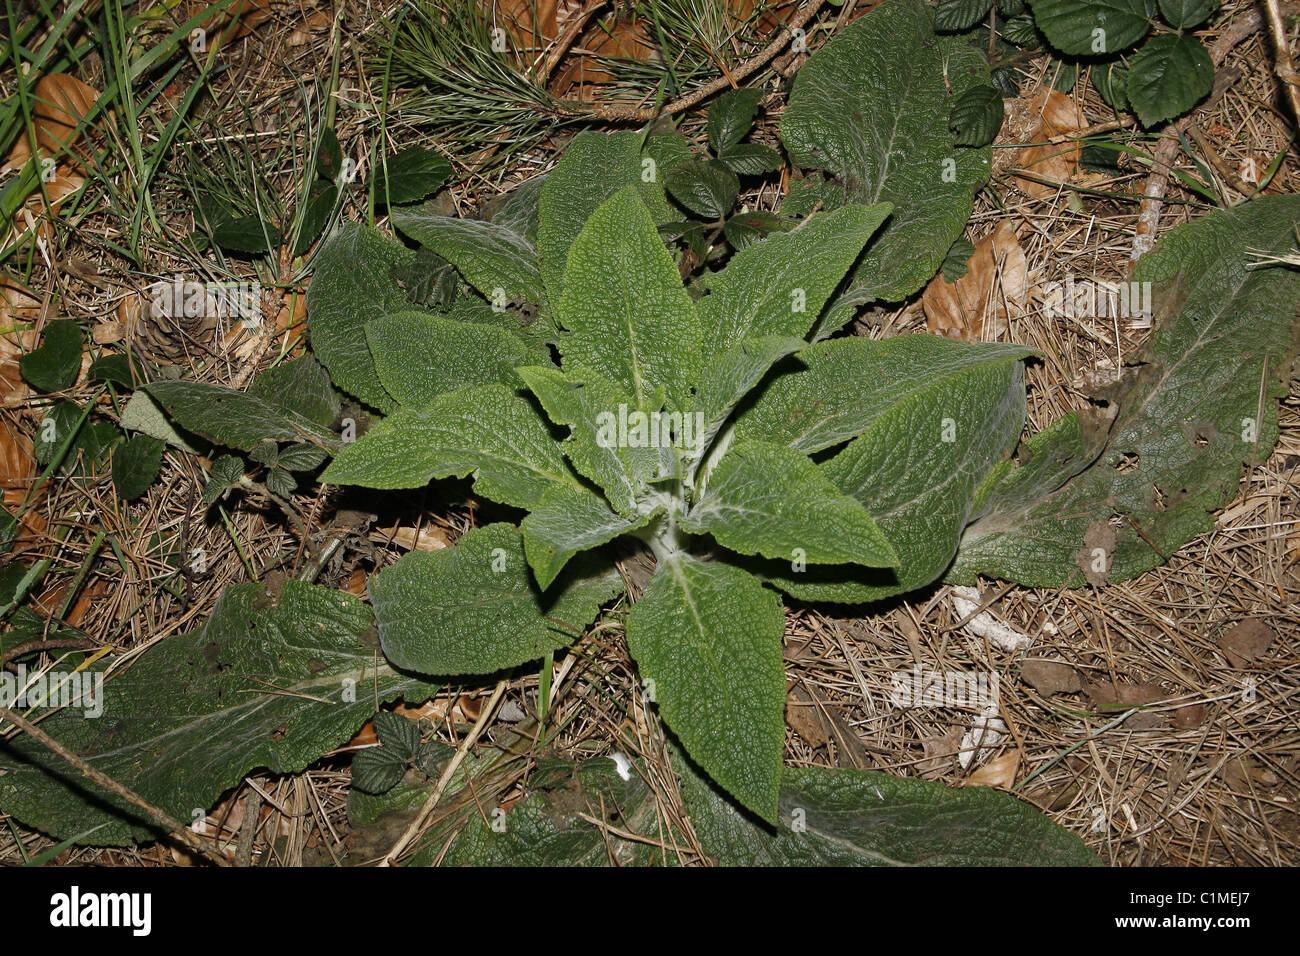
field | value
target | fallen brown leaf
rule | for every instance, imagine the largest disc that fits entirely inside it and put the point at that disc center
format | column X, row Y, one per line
column 979, row 305
column 1000, row 774
column 1057, row 115
column 1246, row 641
column 1051, row 677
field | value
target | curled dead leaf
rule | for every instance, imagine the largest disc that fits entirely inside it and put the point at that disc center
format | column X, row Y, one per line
column 1039, row 117
column 1000, row 774
column 62, row 101
column 995, row 289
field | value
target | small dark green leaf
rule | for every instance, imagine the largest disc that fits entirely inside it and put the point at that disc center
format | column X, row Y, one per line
column 751, row 159
column 1110, row 80
column 1186, row 14
column 958, row 259
column 977, row 116
column 398, row 734
column 1169, row 76
column 1093, row 27
column 301, row 457
column 320, row 206
column 265, row 453
column 57, row 363
column 1022, row 32
column 731, row 117
column 247, row 234
column 747, row 228
column 377, row 770
column 958, row 16
column 329, row 156
column 280, row 482
column 706, row 188
column 301, row 385
column 409, row 175
column 226, row 471
column 116, row 368
column 135, row 466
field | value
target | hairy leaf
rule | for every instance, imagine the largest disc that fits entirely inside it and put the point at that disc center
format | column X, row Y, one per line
column 568, row 520
column 486, row 429
column 475, row 609
column 269, row 682
column 865, row 818
column 1181, row 424
column 772, row 500
column 420, row 356
column 500, row 263
column 629, row 318
column 235, row 419
column 872, row 108
column 708, row 636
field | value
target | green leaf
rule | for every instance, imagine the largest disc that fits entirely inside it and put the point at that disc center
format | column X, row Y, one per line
column 301, row 457
column 226, row 471
column 265, row 453
column 409, row 175
column 135, row 466
column 1185, row 421
column 956, row 263
column 499, row 263
column 593, row 168
column 889, row 63
column 398, row 733
column 958, row 16
column 731, row 117
column 280, row 482
column 270, row 682
column 474, row 608
column 1187, row 14
column 747, row 228
column 544, row 829
column 1093, row 27
column 630, row 320
column 301, row 385
column 730, row 377
column 751, row 159
column 116, row 368
column 519, row 210
column 487, row 429
column 708, row 636
column 977, row 116
column 932, row 417
column 420, row 356
column 704, row 187
column 581, row 401
column 1111, row 83
column 377, row 770
column 248, row 234
column 779, row 286
column 568, row 520
column 329, row 155
column 235, row 419
column 354, row 283
column 1167, row 77
column 56, row 365
column 866, row 818
column 321, row 200
column 771, row 500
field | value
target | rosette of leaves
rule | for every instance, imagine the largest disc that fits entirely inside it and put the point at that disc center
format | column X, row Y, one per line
column 679, row 422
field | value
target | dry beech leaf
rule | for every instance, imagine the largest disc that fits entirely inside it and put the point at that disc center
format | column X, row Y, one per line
column 995, row 289
column 1245, row 642
column 1057, row 115
column 61, row 102
column 1000, row 774
column 428, row 538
